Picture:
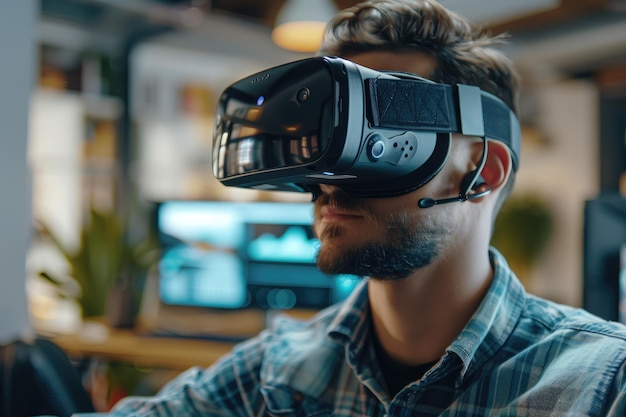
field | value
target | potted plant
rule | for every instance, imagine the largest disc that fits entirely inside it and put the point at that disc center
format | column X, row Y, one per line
column 522, row 231
column 107, row 267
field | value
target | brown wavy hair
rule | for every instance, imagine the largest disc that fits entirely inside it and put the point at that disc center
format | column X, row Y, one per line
column 464, row 54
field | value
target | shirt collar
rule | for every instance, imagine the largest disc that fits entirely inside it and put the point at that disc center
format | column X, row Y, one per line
column 485, row 333
column 351, row 325
column 494, row 321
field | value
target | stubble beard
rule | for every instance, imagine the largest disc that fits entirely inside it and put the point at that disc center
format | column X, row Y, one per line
column 405, row 247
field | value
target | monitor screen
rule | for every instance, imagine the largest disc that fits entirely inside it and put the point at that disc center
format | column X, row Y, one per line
column 235, row 255
column 604, row 240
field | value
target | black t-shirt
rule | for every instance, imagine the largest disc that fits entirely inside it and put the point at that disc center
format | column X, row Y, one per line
column 397, row 375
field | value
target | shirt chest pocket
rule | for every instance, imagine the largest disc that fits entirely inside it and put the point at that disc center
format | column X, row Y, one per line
column 282, row 401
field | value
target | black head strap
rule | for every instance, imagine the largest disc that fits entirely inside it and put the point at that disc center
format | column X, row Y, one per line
column 427, row 106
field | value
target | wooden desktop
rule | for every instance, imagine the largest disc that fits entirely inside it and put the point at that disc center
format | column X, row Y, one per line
column 143, row 347
column 177, row 340
column 128, row 346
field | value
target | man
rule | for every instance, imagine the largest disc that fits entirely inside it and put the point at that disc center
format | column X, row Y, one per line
column 441, row 326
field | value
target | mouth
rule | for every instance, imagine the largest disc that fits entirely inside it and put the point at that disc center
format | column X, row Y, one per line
column 338, row 208
column 334, row 214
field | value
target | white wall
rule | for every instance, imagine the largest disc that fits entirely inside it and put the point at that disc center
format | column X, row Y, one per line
column 17, row 69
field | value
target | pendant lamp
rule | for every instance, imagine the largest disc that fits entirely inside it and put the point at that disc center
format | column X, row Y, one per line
column 300, row 24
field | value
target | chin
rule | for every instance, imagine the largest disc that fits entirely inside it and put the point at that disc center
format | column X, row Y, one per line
column 332, row 258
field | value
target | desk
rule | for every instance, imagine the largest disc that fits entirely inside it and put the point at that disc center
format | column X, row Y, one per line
column 126, row 346
column 98, row 340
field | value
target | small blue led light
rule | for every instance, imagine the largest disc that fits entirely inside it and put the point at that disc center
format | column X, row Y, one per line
column 328, row 173
column 260, row 100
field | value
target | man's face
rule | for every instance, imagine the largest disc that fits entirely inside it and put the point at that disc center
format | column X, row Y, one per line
column 386, row 238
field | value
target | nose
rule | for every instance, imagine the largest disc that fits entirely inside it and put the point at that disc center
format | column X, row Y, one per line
column 329, row 189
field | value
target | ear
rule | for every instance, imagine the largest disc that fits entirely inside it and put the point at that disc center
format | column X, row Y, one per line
column 498, row 165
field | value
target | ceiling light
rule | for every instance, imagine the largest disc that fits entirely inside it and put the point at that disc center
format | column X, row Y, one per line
column 300, row 24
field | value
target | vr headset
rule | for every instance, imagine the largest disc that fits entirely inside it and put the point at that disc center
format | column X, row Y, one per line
column 327, row 120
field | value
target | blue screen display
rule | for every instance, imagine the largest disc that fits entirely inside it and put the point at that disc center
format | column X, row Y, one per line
column 234, row 255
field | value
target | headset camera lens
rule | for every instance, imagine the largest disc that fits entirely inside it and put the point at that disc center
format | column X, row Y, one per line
column 303, row 95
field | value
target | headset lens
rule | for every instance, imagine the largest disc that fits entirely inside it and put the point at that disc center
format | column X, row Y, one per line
column 267, row 123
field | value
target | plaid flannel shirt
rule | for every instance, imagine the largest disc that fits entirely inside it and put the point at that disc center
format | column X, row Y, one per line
column 519, row 355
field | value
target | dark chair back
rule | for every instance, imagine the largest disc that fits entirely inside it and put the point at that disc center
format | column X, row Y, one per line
column 37, row 378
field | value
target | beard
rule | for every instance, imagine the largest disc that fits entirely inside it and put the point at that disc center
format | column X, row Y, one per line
column 406, row 246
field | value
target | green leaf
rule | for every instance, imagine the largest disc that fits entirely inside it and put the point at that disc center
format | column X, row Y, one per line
column 523, row 229
column 103, row 257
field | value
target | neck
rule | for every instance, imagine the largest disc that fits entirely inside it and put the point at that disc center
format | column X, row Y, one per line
column 417, row 318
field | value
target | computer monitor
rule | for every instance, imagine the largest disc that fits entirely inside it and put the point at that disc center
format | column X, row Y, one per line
column 604, row 292
column 239, row 255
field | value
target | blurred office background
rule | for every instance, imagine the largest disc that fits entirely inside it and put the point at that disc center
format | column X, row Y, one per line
column 108, row 105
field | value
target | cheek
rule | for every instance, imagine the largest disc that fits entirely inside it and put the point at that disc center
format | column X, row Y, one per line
column 405, row 212
column 405, row 204
column 390, row 212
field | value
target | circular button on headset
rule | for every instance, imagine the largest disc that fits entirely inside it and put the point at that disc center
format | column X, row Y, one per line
column 376, row 147
column 303, row 95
